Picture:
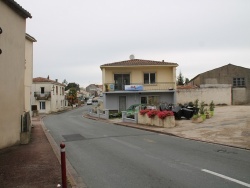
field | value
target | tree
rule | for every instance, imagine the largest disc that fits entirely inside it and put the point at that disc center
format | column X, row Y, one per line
column 65, row 82
column 186, row 81
column 72, row 96
column 180, row 79
column 72, row 85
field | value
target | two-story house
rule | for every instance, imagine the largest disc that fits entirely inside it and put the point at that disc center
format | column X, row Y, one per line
column 138, row 81
column 12, row 71
column 48, row 95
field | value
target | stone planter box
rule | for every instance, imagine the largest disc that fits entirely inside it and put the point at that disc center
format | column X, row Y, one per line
column 156, row 121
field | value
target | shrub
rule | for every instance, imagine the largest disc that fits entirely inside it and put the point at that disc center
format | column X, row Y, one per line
column 143, row 112
column 164, row 114
column 152, row 113
column 211, row 106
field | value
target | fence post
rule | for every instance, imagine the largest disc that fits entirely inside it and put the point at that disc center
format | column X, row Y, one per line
column 63, row 165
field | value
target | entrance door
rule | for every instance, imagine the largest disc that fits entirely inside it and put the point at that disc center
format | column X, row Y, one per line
column 42, row 106
column 122, row 103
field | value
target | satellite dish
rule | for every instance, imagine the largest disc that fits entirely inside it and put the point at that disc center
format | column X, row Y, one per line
column 131, row 57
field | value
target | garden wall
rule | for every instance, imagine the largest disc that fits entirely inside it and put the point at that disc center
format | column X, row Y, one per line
column 220, row 94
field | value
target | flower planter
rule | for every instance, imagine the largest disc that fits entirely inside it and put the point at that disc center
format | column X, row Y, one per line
column 156, row 121
column 168, row 121
column 142, row 119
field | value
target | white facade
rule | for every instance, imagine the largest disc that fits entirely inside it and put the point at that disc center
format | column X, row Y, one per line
column 28, row 71
column 48, row 95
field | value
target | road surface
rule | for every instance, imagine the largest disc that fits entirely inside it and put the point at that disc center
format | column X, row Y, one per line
column 107, row 155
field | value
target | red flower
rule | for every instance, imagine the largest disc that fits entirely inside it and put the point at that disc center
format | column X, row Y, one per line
column 164, row 114
column 152, row 113
column 143, row 112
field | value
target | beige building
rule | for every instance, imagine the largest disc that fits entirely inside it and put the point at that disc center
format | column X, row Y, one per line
column 138, row 81
column 12, row 71
column 28, row 71
column 48, row 95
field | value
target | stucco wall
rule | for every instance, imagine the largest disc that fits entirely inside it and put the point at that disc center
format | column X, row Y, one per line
column 12, row 63
column 163, row 74
column 217, row 95
column 28, row 74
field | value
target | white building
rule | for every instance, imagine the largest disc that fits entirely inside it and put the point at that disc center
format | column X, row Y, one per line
column 48, row 95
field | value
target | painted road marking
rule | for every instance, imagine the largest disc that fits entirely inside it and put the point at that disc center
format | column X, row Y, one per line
column 226, row 177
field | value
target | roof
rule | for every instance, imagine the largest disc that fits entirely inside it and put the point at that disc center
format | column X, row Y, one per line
column 46, row 80
column 30, row 38
column 138, row 62
column 216, row 69
column 17, row 8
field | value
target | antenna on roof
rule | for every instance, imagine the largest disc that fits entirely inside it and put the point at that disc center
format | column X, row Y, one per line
column 131, row 57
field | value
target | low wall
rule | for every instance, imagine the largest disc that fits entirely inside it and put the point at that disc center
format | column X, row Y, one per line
column 104, row 114
column 219, row 95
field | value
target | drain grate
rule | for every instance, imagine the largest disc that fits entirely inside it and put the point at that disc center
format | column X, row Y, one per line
column 73, row 137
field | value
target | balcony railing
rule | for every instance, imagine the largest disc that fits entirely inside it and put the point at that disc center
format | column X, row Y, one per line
column 42, row 96
column 109, row 87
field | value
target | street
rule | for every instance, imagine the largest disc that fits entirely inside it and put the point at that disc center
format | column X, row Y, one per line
column 107, row 155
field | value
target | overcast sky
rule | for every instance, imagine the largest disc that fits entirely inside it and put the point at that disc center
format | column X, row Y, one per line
column 75, row 37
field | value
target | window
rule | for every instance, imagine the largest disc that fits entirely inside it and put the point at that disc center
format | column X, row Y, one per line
column 150, row 100
column 149, row 78
column 239, row 82
column 56, row 90
column 42, row 89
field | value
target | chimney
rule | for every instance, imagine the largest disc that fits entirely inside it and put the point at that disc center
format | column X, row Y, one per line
column 163, row 60
column 56, row 80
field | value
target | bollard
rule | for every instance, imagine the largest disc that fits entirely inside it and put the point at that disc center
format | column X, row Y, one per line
column 63, row 165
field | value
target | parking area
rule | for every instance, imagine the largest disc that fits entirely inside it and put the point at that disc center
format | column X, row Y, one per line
column 230, row 126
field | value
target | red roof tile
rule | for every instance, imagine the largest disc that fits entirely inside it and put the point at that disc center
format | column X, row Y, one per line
column 139, row 62
column 40, row 79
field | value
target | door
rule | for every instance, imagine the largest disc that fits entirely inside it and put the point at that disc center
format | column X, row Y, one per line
column 42, row 106
column 121, row 80
column 122, row 103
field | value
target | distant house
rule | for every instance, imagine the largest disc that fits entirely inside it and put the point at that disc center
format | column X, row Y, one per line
column 48, row 95
column 138, row 81
column 94, row 90
column 238, row 77
column 12, row 71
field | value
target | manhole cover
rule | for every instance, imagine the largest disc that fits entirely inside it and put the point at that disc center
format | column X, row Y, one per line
column 73, row 137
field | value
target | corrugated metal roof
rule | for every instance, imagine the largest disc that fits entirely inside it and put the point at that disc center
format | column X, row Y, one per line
column 139, row 62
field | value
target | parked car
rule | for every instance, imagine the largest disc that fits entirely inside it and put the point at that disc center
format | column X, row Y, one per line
column 89, row 102
column 134, row 109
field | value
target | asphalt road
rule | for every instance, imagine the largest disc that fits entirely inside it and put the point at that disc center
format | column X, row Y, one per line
column 107, row 155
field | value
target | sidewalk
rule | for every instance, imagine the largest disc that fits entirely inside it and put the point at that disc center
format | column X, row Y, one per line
column 34, row 165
